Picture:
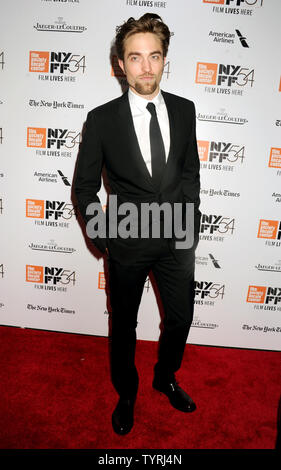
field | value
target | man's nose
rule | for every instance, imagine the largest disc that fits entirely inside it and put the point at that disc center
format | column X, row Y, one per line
column 146, row 65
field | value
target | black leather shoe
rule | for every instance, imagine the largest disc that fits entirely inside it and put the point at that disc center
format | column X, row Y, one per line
column 123, row 416
column 177, row 396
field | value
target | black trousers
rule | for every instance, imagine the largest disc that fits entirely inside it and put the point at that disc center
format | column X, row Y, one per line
column 175, row 283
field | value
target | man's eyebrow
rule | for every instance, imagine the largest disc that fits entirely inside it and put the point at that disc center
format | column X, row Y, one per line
column 139, row 53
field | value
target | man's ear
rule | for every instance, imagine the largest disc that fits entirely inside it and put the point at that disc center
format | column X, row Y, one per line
column 121, row 65
column 165, row 60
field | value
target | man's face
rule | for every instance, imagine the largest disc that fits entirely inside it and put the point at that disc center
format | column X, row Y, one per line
column 143, row 63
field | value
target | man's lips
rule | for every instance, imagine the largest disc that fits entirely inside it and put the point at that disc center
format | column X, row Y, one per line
column 147, row 78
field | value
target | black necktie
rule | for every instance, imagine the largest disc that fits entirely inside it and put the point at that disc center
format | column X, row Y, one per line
column 158, row 159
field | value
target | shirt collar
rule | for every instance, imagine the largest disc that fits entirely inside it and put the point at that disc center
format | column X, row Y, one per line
column 141, row 103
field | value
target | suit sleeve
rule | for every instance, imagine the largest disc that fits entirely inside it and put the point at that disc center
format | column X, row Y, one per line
column 191, row 175
column 88, row 174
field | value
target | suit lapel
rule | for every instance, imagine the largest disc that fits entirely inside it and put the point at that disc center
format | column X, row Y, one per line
column 127, row 127
column 172, row 123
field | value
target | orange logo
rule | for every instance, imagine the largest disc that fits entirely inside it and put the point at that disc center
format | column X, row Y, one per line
column 203, row 150
column 39, row 61
column 275, row 158
column 36, row 137
column 34, row 273
column 35, row 208
column 268, row 229
column 280, row 85
column 206, row 73
column 101, row 282
column 256, row 294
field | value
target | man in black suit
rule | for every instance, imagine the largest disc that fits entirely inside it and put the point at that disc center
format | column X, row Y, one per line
column 147, row 142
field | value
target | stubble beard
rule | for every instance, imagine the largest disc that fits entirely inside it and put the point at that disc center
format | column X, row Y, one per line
column 146, row 88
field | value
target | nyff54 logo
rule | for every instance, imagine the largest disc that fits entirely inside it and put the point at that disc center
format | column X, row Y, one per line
column 206, row 292
column 50, row 276
column 220, row 152
column 41, row 137
column 56, row 62
column 49, row 210
column 224, row 75
column 216, row 224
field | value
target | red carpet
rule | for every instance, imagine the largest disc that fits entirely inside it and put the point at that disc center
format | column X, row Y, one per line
column 56, row 393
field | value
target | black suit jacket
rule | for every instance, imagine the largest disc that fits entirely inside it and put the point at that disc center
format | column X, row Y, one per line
column 109, row 139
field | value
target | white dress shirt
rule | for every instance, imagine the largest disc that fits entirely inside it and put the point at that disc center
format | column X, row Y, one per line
column 141, row 118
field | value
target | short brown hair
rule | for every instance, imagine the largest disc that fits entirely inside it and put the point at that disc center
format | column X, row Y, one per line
column 148, row 23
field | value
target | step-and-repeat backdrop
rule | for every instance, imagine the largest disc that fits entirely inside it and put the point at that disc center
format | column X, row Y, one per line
column 57, row 62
